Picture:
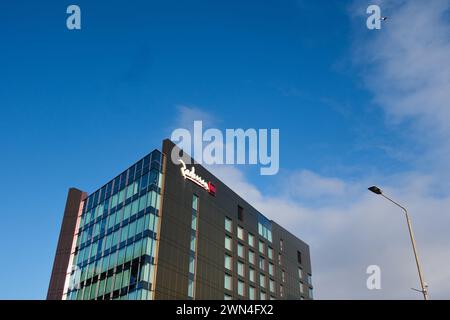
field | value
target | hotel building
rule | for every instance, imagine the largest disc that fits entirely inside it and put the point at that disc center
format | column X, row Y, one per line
column 164, row 230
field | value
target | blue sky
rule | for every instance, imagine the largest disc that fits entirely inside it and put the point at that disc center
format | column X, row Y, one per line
column 77, row 107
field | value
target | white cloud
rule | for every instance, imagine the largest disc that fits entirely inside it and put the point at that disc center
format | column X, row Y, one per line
column 346, row 238
column 186, row 115
column 308, row 184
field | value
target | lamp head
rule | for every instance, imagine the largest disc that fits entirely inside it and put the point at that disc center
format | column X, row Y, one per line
column 376, row 190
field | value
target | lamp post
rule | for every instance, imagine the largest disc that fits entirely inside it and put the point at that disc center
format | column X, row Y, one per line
column 424, row 290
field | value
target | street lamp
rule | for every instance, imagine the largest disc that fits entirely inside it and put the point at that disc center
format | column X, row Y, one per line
column 424, row 290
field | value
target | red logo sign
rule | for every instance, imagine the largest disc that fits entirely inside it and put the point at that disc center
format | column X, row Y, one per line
column 212, row 189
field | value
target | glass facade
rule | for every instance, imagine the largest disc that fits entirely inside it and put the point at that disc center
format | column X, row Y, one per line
column 114, row 256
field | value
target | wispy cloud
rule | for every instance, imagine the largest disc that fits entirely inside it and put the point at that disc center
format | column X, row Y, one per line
column 188, row 114
column 407, row 68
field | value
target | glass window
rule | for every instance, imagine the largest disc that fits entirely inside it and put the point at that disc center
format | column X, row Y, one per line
column 112, row 260
column 279, row 259
column 108, row 240
column 240, row 233
column 121, row 256
column 94, row 249
column 310, row 293
column 240, row 250
column 155, row 202
column 270, row 253
column 228, row 243
column 119, row 216
column 191, row 265
column 194, row 222
column 271, row 269
column 150, row 222
column 193, row 243
column 108, row 285
column 251, row 257
column 263, row 295
column 309, row 278
column 129, row 252
column 87, row 217
column 138, row 248
column 93, row 290
column 111, row 220
column 251, row 240
column 241, row 271
column 99, row 211
column 283, row 276
column 145, row 273
column 114, row 199
column 140, row 225
column 121, row 196
column 300, row 273
column 281, row 244
column 130, row 190
column 135, row 207
column 261, row 246
column 262, row 280
column 227, row 297
column 265, row 227
column 124, row 234
column 281, row 290
column 262, row 263
column 126, row 278
column 151, row 199
column 251, row 293
column 132, row 229
column 228, row 262
column 135, row 187
column 142, row 202
column 144, row 181
column 127, row 211
column 195, row 202
column 118, row 281
column 105, row 264
column 96, row 230
column 301, row 287
column 115, row 237
column 191, row 289
column 272, row 285
column 240, row 213
column 251, row 274
column 241, row 288
column 228, row 224
column 228, row 282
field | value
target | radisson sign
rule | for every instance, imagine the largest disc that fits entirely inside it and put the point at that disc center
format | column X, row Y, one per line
column 191, row 175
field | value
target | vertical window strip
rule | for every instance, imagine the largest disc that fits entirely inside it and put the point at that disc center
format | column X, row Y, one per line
column 193, row 248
